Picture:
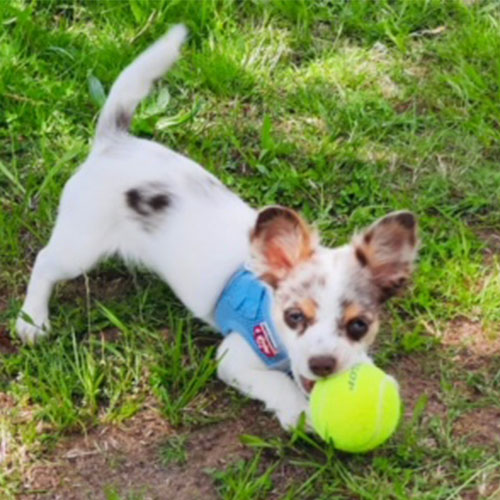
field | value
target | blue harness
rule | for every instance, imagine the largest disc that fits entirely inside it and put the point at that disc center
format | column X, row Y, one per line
column 245, row 307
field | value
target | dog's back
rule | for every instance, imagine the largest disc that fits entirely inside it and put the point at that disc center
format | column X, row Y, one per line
column 138, row 199
column 164, row 209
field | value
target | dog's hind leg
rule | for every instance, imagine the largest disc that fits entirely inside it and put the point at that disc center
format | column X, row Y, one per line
column 78, row 242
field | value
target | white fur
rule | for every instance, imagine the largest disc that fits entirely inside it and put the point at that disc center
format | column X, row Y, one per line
column 195, row 244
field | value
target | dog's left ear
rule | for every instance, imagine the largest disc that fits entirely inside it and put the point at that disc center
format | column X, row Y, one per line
column 388, row 249
column 280, row 240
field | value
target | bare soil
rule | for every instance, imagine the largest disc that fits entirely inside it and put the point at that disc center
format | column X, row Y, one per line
column 414, row 383
column 6, row 345
column 126, row 459
column 472, row 340
column 480, row 426
column 492, row 241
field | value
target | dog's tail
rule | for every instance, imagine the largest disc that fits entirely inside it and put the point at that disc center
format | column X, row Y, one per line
column 134, row 83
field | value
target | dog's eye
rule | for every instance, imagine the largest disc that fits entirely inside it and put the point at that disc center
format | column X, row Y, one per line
column 294, row 317
column 357, row 328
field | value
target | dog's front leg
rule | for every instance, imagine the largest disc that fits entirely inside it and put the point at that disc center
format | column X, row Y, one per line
column 241, row 368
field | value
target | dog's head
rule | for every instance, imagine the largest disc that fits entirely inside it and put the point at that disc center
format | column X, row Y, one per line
column 327, row 301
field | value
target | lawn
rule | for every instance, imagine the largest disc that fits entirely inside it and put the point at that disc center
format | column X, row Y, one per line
column 344, row 110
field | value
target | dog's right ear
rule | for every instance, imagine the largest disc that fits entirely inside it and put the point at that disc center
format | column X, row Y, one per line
column 388, row 249
column 280, row 240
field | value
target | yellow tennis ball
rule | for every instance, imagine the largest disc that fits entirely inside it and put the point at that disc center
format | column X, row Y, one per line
column 357, row 410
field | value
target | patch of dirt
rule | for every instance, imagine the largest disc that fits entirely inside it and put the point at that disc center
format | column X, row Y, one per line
column 7, row 404
column 6, row 345
column 492, row 241
column 126, row 459
column 480, row 426
column 472, row 338
column 415, row 381
column 103, row 285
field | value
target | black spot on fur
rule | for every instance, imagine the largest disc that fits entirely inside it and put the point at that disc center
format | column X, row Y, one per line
column 135, row 201
column 159, row 202
column 148, row 202
column 122, row 120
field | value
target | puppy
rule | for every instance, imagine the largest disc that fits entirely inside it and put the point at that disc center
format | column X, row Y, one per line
column 291, row 310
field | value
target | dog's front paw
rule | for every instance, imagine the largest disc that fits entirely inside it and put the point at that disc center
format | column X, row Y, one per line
column 30, row 331
column 290, row 417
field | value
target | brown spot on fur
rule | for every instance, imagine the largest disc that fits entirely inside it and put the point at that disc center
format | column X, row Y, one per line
column 307, row 284
column 361, row 257
column 270, row 279
column 351, row 310
column 309, row 308
column 406, row 219
column 354, row 310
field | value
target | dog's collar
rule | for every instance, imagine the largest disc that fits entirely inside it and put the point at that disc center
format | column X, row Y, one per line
column 245, row 307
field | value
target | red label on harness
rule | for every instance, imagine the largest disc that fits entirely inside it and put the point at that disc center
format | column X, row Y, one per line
column 264, row 341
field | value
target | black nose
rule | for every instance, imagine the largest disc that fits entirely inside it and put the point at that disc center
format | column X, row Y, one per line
column 322, row 365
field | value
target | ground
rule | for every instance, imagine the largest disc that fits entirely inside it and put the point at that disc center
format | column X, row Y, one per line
column 344, row 110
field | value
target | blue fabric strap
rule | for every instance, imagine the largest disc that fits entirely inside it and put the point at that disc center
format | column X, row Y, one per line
column 245, row 307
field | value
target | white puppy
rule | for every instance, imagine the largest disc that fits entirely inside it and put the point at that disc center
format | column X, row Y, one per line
column 148, row 204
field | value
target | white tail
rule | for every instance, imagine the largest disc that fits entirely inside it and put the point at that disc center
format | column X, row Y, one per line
column 134, row 82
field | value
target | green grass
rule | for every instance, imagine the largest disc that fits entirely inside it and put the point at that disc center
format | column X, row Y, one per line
column 243, row 480
column 342, row 109
column 174, row 451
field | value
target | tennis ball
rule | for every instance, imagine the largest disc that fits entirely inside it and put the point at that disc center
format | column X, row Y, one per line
column 357, row 410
